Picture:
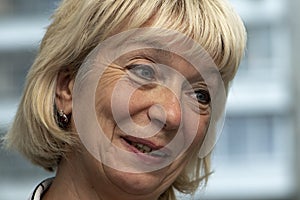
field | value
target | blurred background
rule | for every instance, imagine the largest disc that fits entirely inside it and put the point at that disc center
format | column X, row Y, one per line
column 257, row 155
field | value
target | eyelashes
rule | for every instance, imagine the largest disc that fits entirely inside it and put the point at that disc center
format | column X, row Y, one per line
column 202, row 96
column 142, row 71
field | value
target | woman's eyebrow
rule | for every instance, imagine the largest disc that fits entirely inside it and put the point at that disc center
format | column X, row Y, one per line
column 154, row 55
column 207, row 76
column 205, row 73
column 148, row 45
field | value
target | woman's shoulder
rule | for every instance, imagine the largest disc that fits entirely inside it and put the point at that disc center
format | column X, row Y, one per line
column 40, row 189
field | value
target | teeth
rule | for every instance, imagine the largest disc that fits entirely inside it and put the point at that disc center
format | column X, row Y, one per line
column 139, row 146
column 142, row 148
column 146, row 149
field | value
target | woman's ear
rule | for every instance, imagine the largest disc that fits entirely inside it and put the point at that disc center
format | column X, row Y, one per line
column 64, row 89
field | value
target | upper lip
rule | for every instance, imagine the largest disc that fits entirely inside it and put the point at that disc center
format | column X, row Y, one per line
column 148, row 143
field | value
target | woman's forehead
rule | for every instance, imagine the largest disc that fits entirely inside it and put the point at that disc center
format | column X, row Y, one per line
column 168, row 51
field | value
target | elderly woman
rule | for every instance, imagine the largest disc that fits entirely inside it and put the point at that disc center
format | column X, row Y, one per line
column 126, row 97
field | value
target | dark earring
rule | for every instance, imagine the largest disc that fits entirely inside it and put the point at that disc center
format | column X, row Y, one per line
column 62, row 119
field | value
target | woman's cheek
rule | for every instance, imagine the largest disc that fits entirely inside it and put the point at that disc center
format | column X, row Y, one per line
column 195, row 127
column 106, row 88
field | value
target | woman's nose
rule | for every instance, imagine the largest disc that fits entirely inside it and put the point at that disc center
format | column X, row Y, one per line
column 166, row 109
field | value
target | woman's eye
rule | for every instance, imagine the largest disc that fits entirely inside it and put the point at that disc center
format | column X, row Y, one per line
column 142, row 71
column 202, row 96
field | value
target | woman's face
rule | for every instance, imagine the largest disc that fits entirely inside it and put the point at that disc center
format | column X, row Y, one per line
column 153, row 107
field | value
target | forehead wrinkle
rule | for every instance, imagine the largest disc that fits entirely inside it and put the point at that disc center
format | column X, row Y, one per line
column 148, row 42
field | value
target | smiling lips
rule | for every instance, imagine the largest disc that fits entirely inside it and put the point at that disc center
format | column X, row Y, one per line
column 146, row 147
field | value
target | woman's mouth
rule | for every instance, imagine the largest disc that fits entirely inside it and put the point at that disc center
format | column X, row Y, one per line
column 139, row 145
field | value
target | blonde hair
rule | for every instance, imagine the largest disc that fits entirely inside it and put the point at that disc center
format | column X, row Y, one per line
column 78, row 26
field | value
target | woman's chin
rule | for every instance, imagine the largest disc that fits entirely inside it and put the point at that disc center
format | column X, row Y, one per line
column 136, row 183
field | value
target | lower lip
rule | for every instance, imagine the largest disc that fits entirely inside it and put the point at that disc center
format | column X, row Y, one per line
column 148, row 159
